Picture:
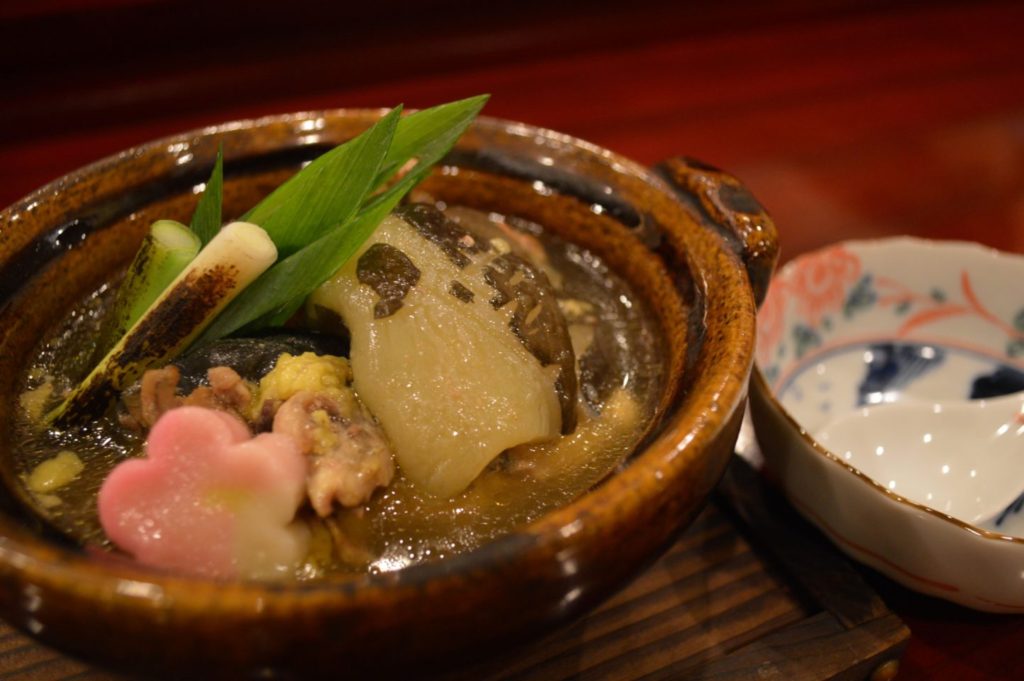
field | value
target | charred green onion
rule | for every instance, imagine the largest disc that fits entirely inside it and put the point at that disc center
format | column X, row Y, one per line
column 232, row 260
column 166, row 250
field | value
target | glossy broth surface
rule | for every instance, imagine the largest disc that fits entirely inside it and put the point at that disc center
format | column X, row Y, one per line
column 618, row 355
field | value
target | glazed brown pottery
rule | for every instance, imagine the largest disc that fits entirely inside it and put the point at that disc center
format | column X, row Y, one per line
column 687, row 238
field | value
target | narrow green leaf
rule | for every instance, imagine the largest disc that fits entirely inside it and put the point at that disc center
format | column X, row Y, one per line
column 328, row 191
column 206, row 219
column 426, row 132
column 428, row 136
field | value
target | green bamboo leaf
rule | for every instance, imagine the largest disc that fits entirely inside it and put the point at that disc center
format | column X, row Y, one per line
column 328, row 191
column 427, row 136
column 430, row 132
column 206, row 219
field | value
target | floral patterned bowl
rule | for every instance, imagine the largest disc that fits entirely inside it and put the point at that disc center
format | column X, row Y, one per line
column 863, row 323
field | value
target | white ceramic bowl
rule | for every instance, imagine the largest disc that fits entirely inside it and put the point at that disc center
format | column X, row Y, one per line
column 860, row 323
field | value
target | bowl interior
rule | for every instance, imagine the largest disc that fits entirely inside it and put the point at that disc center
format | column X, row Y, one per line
column 879, row 322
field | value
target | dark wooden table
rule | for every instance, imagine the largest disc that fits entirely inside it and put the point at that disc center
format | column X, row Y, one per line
column 847, row 119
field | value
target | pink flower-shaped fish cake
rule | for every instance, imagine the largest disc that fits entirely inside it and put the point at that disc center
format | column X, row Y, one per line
column 209, row 499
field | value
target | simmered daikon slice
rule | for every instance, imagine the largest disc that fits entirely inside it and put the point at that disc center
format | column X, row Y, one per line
column 458, row 346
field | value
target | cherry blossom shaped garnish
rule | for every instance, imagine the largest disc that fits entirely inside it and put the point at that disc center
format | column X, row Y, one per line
column 209, row 499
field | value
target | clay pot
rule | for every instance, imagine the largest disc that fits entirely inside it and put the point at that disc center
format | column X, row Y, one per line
column 688, row 239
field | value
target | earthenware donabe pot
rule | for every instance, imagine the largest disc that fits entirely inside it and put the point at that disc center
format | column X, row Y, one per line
column 689, row 240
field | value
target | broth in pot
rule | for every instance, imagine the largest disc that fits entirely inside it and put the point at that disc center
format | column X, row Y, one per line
column 461, row 375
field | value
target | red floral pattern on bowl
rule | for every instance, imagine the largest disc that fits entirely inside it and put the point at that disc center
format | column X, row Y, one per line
column 832, row 297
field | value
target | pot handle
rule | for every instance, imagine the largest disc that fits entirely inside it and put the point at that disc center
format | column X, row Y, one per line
column 723, row 204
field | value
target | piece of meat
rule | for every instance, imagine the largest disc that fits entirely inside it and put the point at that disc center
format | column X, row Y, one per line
column 349, row 457
column 158, row 394
column 229, row 386
column 227, row 392
column 476, row 360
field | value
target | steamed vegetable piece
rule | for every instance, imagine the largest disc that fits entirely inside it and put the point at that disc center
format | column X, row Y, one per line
column 234, row 258
column 54, row 473
column 166, row 250
column 458, row 346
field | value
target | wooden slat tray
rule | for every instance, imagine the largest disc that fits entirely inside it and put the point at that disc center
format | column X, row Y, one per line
column 749, row 591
